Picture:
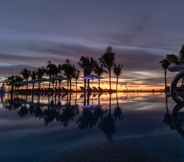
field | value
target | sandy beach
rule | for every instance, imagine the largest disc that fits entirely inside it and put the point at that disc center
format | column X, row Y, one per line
column 101, row 150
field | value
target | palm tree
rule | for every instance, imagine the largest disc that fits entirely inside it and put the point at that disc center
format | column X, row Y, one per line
column 69, row 71
column 59, row 69
column 13, row 79
column 25, row 74
column 174, row 59
column 99, row 70
column 117, row 71
column 87, row 64
column 10, row 82
column 76, row 76
column 165, row 64
column 107, row 60
column 39, row 73
column 33, row 76
column 51, row 70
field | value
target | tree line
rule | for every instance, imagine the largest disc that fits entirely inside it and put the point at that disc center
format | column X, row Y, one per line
column 104, row 64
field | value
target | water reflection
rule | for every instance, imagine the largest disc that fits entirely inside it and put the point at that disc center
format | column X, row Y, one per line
column 178, row 118
column 50, row 111
column 64, row 107
column 168, row 117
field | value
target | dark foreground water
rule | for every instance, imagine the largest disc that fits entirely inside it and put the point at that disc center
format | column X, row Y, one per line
column 33, row 127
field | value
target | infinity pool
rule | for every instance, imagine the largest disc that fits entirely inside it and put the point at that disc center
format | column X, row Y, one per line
column 33, row 127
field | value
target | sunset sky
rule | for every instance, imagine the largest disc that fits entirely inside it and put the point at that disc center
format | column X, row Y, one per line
column 141, row 33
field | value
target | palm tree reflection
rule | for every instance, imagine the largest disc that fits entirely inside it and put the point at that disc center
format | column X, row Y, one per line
column 23, row 111
column 14, row 104
column 38, row 112
column 50, row 115
column 87, row 119
column 68, row 114
column 168, row 117
column 107, row 124
column 90, row 114
column 117, row 111
column 54, row 110
column 178, row 118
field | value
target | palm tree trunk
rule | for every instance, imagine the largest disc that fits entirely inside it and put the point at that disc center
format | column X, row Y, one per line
column 165, row 79
column 49, row 78
column 70, row 84
column 27, row 84
column 116, row 83
column 85, row 85
column 56, row 84
column 88, row 84
column 99, row 82
column 76, row 84
column 110, row 79
column 33, row 87
column 12, row 88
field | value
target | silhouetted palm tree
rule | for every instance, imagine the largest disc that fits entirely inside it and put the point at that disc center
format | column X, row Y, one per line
column 87, row 64
column 76, row 77
column 69, row 71
column 26, row 74
column 33, row 76
column 174, row 59
column 107, row 60
column 99, row 70
column 40, row 73
column 59, row 69
column 117, row 71
column 11, row 80
column 51, row 70
column 165, row 64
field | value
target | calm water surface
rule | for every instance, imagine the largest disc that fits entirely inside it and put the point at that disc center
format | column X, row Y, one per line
column 32, row 127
